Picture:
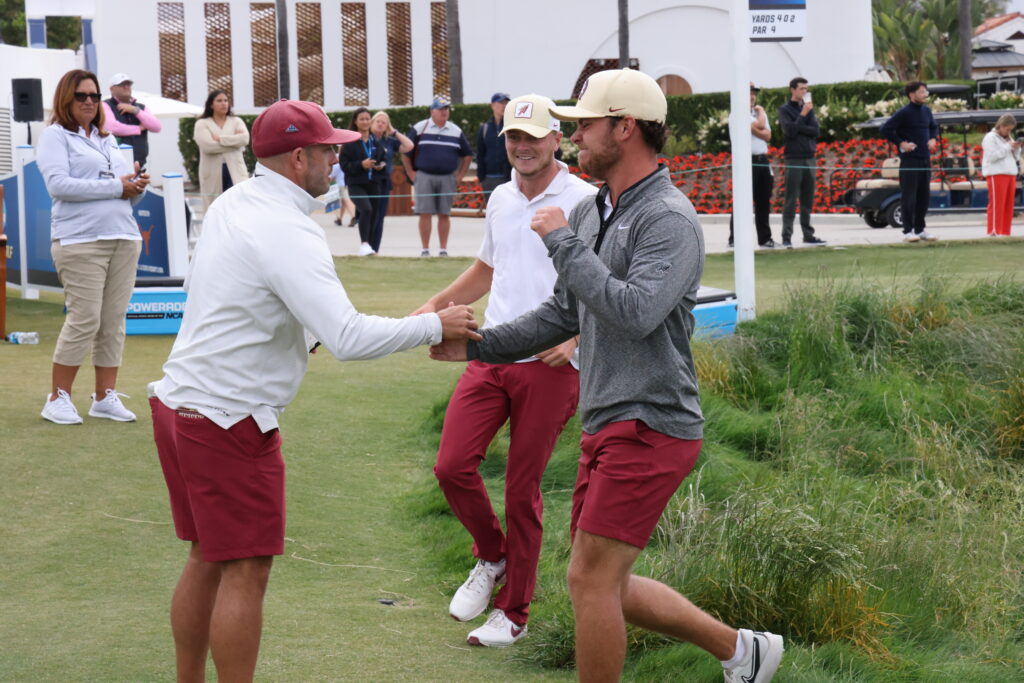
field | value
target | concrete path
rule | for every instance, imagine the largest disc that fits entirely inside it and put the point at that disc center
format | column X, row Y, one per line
column 401, row 235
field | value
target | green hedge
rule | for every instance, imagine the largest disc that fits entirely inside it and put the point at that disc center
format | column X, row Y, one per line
column 684, row 115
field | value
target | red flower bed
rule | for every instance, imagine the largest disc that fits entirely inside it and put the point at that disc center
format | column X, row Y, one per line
column 707, row 178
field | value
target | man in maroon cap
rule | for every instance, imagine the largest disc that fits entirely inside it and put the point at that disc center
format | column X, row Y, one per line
column 262, row 292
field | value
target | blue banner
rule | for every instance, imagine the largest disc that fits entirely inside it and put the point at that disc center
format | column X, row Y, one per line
column 149, row 214
column 10, row 227
column 41, row 270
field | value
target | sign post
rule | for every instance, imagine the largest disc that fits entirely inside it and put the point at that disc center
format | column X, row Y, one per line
column 755, row 21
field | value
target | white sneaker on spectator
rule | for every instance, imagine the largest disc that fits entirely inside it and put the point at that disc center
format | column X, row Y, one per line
column 111, row 408
column 61, row 410
column 365, row 249
column 911, row 237
column 499, row 631
column 425, row 252
column 761, row 658
column 474, row 594
column 927, row 236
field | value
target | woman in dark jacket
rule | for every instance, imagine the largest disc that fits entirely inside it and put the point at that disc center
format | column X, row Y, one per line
column 363, row 164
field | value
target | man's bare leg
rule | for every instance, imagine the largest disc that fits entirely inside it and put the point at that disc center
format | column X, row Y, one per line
column 605, row 595
column 191, row 608
column 444, row 224
column 425, row 230
column 237, row 620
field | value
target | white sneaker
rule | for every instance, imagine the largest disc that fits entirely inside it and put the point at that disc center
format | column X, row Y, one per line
column 761, row 658
column 425, row 252
column 365, row 249
column 911, row 237
column 499, row 631
column 474, row 595
column 927, row 236
column 61, row 410
column 111, row 407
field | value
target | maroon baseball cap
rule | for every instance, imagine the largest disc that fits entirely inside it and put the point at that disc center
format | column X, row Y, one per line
column 288, row 124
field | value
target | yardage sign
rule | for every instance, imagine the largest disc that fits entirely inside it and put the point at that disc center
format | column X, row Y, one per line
column 773, row 21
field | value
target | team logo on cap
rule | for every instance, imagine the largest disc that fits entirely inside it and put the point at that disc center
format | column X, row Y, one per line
column 584, row 88
column 524, row 110
column 291, row 128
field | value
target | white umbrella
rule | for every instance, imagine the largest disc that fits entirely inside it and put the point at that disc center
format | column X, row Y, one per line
column 164, row 106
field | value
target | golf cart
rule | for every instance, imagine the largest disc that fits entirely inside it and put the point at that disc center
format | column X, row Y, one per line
column 957, row 187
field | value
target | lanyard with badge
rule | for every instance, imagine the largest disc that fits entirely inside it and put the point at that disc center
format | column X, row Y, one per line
column 103, row 149
column 369, row 148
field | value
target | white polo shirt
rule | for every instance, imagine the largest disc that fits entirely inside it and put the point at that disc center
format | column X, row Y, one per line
column 523, row 275
column 261, row 277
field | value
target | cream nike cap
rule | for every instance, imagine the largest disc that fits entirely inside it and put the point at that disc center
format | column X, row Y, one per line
column 531, row 114
column 617, row 92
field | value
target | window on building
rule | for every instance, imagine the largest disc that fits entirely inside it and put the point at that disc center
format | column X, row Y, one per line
column 263, row 29
column 399, row 53
column 218, row 47
column 353, row 54
column 439, row 45
column 674, row 85
column 171, row 30
column 311, row 51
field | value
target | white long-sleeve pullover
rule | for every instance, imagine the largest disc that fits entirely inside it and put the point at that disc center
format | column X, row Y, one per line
column 998, row 156
column 262, row 276
column 82, row 174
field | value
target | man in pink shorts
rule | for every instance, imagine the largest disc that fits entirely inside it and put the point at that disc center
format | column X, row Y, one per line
column 262, row 292
column 629, row 265
column 537, row 395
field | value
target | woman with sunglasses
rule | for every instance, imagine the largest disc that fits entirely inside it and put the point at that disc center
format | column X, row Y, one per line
column 95, row 244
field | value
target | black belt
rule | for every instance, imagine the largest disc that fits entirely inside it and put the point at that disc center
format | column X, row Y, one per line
column 759, row 157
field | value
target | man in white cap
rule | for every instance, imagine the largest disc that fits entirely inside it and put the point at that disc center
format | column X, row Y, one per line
column 261, row 287
column 629, row 264
column 128, row 119
column 538, row 394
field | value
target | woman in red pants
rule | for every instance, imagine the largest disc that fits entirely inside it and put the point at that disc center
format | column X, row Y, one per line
column 1000, row 154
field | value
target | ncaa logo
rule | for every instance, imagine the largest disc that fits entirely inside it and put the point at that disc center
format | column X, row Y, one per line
column 524, row 110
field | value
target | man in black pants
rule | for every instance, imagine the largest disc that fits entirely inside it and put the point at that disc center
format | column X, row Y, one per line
column 760, row 134
column 914, row 131
column 800, row 127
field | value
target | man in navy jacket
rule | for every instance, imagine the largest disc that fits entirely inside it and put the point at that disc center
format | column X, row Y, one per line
column 914, row 131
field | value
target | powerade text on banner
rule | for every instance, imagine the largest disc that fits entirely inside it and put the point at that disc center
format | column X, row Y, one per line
column 776, row 21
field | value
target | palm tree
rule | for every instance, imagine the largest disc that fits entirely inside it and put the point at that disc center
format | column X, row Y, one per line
column 623, row 34
column 965, row 38
column 283, row 68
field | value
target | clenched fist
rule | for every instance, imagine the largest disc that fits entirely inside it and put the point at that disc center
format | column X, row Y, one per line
column 548, row 219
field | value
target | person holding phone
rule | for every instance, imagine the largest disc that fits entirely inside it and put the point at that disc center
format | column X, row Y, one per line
column 95, row 244
column 999, row 164
column 392, row 142
column 800, row 128
column 363, row 164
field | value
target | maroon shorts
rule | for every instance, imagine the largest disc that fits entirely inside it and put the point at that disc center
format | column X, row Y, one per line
column 627, row 474
column 226, row 485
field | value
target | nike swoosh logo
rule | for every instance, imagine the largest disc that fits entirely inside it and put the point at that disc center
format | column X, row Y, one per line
column 623, row 227
column 755, row 663
column 516, row 630
column 614, row 110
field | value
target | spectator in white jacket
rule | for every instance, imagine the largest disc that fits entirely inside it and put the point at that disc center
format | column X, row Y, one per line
column 999, row 165
column 95, row 244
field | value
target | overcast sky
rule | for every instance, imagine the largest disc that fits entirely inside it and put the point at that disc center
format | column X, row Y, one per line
column 1015, row 6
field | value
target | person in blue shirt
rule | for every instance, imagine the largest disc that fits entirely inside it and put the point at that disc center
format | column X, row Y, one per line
column 492, row 165
column 914, row 131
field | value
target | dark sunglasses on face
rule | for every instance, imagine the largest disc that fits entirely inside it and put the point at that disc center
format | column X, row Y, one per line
column 83, row 96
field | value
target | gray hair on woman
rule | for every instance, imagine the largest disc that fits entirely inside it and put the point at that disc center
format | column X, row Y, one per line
column 1006, row 120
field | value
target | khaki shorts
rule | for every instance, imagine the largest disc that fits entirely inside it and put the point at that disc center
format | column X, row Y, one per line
column 434, row 193
column 98, row 279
